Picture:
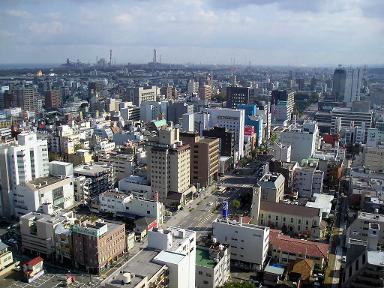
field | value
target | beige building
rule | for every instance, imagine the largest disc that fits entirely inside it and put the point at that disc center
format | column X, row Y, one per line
column 169, row 164
column 204, row 158
column 272, row 187
column 291, row 219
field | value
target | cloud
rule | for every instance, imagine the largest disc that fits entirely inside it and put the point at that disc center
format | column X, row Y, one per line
column 17, row 13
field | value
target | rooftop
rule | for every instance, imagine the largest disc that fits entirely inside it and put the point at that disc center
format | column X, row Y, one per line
column 292, row 245
column 289, row 209
column 91, row 169
column 203, row 259
column 376, row 258
column 44, row 181
column 169, row 257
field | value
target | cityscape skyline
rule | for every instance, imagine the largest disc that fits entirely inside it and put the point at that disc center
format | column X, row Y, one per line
column 206, row 32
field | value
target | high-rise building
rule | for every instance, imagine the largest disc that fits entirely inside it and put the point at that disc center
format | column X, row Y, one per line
column 142, row 94
column 204, row 158
column 193, row 87
column 21, row 162
column 237, row 95
column 24, row 97
column 205, row 92
column 52, row 99
column 234, row 121
column 226, row 140
column 282, row 103
column 169, row 164
column 347, row 84
column 176, row 110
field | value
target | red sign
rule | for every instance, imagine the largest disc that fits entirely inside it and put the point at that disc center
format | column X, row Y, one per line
column 249, row 130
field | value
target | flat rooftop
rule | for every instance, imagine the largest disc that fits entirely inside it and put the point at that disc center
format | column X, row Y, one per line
column 91, row 169
column 44, row 181
column 203, row 259
column 140, row 266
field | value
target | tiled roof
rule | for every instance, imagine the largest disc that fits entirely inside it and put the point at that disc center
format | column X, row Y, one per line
column 285, row 243
column 33, row 261
column 289, row 209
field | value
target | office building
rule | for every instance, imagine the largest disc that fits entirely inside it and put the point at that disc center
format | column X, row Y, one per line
column 282, row 103
column 234, row 121
column 349, row 117
column 176, row 110
column 96, row 244
column 236, row 96
column 226, row 140
column 123, row 164
column 204, row 158
column 139, row 95
column 303, row 141
column 212, row 265
column 248, row 243
column 178, row 252
column 136, row 185
column 20, row 162
column 272, row 187
column 24, row 97
column 347, row 84
column 120, row 204
column 45, row 194
column 151, row 110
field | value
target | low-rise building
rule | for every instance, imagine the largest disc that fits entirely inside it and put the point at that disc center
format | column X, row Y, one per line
column 123, row 164
column 248, row 243
column 291, row 219
column 96, row 244
column 47, row 194
column 359, row 227
column 281, row 152
column 307, row 181
column 122, row 204
column 6, row 257
column 136, row 185
column 285, row 249
column 212, row 266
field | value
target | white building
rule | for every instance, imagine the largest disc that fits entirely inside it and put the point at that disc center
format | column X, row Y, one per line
column 19, row 163
column 188, row 122
column 120, row 204
column 281, row 152
column 233, row 120
column 46, row 194
column 58, row 168
column 359, row 227
column 272, row 187
column 178, row 253
column 212, row 266
column 153, row 111
column 248, row 243
column 302, row 140
column 136, row 185
column 307, row 181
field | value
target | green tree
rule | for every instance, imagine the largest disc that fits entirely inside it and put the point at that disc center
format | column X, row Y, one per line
column 236, row 204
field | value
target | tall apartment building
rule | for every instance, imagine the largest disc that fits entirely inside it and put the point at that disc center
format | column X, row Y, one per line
column 205, row 92
column 204, row 158
column 52, row 99
column 234, row 121
column 178, row 252
column 169, row 164
column 24, row 97
column 347, row 84
column 272, row 187
column 282, row 103
column 248, row 243
column 193, row 87
column 96, row 244
column 237, row 95
column 139, row 95
column 20, row 162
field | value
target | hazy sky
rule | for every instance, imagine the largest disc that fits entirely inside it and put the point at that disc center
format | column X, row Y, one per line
column 276, row 32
